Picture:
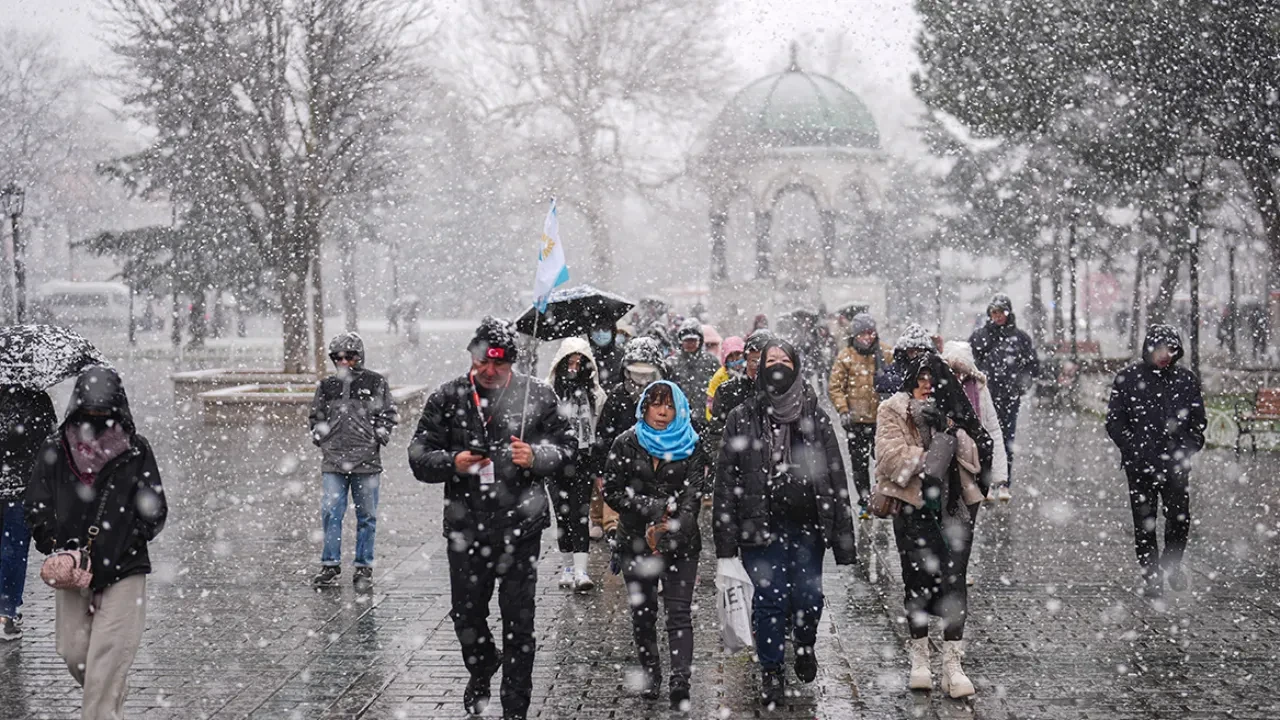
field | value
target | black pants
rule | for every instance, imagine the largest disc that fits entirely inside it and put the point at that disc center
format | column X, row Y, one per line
column 571, row 500
column 472, row 575
column 934, row 549
column 678, row 576
column 862, row 443
column 1148, row 488
column 1007, row 408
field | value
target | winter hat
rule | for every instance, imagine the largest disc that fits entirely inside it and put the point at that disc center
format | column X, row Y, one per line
column 862, row 322
column 915, row 337
column 495, row 339
column 1000, row 301
column 730, row 346
column 1161, row 334
column 349, row 343
column 757, row 340
column 710, row 336
column 643, row 351
column 690, row 328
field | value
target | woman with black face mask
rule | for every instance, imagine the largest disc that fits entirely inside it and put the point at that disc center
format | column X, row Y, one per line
column 782, row 499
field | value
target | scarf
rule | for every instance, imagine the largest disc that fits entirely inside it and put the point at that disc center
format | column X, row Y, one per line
column 90, row 454
column 579, row 411
column 678, row 440
column 783, row 409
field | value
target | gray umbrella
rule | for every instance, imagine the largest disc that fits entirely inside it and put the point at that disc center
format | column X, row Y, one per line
column 41, row 356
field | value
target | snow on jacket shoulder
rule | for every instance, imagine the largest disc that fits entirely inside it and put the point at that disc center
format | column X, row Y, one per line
column 27, row 417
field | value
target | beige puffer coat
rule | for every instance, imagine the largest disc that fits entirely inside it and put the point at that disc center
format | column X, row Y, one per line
column 900, row 456
column 852, row 386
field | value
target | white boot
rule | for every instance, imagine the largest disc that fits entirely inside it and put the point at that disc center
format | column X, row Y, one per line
column 954, row 681
column 581, row 580
column 921, row 677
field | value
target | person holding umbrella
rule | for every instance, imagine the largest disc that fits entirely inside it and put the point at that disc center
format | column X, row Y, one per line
column 26, row 419
column 492, row 438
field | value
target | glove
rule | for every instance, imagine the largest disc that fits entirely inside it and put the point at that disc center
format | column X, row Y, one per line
column 934, row 417
column 932, row 490
column 846, row 421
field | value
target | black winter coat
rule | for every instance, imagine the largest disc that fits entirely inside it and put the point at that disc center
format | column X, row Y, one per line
column 516, row 504
column 26, row 419
column 617, row 417
column 608, row 363
column 640, row 494
column 1007, row 357
column 693, row 372
column 59, row 511
column 352, row 416
column 1154, row 416
column 743, row 485
column 731, row 393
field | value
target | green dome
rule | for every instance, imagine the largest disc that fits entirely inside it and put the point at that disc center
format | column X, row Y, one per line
column 794, row 109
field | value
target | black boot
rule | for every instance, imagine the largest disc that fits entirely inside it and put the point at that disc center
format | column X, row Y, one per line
column 806, row 664
column 327, row 577
column 653, row 682
column 773, row 688
column 477, row 693
column 1153, row 584
column 680, row 693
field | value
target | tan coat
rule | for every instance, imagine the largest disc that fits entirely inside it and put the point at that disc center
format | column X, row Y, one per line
column 900, row 456
column 853, row 384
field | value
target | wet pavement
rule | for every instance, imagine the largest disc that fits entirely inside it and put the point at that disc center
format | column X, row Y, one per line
column 235, row 631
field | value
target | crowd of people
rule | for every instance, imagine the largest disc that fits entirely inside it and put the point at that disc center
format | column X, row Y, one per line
column 627, row 441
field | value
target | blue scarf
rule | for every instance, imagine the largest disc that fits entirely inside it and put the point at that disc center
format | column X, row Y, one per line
column 679, row 440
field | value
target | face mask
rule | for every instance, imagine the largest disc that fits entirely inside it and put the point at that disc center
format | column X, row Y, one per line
column 737, row 368
column 572, row 373
column 779, row 378
column 600, row 338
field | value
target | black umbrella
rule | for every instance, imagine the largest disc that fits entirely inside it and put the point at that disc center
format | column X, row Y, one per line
column 575, row 311
column 41, row 356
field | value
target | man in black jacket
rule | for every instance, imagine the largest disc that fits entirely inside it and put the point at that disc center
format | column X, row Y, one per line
column 1156, row 417
column 692, row 368
column 1007, row 356
column 352, row 416
column 26, row 419
column 493, row 452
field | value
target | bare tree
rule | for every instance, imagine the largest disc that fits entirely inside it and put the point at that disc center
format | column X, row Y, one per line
column 605, row 96
column 269, row 111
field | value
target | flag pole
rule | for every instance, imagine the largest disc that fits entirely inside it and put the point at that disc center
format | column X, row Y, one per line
column 528, row 385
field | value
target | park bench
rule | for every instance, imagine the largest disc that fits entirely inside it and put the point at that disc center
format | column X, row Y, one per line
column 1263, row 411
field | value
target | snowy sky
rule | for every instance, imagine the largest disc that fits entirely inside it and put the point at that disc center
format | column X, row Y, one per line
column 879, row 33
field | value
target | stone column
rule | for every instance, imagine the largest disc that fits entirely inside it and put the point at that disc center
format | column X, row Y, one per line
column 764, row 224
column 719, row 259
column 828, row 242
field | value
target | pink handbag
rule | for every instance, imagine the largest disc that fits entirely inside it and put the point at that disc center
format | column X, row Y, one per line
column 67, row 570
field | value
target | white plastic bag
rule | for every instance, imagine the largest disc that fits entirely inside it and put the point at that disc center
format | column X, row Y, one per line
column 734, row 591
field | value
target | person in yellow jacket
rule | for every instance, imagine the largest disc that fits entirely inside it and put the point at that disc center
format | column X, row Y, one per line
column 852, row 390
column 733, row 363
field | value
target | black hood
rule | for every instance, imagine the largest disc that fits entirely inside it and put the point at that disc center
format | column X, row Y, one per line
column 1160, row 334
column 948, row 393
column 100, row 388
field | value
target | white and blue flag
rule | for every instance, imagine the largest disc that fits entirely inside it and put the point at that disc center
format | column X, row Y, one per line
column 553, row 271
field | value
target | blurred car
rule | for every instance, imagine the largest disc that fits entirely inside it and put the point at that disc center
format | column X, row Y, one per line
column 99, row 305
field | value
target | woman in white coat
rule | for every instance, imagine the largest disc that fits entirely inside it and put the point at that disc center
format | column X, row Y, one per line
column 958, row 355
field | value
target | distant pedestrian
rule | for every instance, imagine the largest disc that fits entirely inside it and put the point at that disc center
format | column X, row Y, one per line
column 1008, row 358
column 607, row 349
column 914, row 342
column 959, row 357
column 781, row 500
column 735, row 390
column 96, row 488
column 641, row 367
column 928, row 467
column 27, row 418
column 1156, row 417
column 711, row 342
column 493, row 452
column 852, row 389
column 692, row 367
column 655, row 478
column 733, row 363
column 352, row 417
column 574, row 378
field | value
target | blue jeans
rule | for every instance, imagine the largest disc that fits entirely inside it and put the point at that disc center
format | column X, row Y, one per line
column 15, row 544
column 787, row 574
column 333, row 506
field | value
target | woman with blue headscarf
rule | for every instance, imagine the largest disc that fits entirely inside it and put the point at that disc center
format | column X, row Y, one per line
column 654, row 478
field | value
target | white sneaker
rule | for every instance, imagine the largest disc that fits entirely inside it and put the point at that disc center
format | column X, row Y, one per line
column 596, row 532
column 921, row 677
column 582, row 582
column 954, row 682
column 1003, row 494
column 566, row 578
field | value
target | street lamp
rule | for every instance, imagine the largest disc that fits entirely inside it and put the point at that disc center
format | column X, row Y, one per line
column 12, row 202
column 1193, row 174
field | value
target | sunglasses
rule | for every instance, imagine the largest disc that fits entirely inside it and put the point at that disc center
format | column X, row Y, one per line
column 340, row 357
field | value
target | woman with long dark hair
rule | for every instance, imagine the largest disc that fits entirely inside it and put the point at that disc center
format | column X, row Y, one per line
column 655, row 479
